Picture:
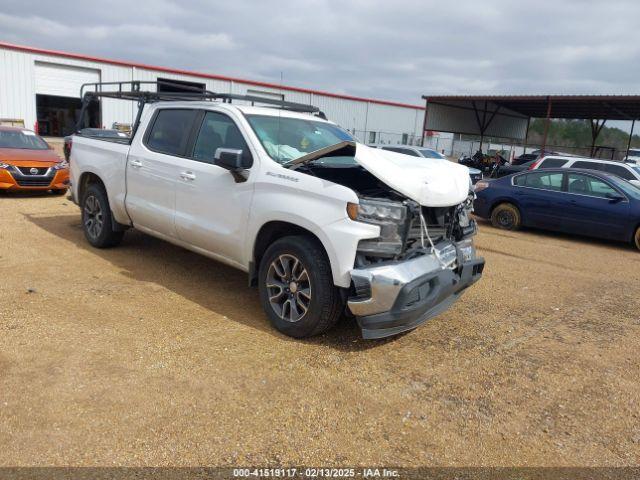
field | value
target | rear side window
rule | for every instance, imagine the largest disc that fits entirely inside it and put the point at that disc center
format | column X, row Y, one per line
column 587, row 165
column 219, row 131
column 553, row 163
column 169, row 133
column 520, row 180
column 544, row 181
column 619, row 170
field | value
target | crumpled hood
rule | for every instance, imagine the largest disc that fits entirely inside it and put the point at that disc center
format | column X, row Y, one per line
column 430, row 182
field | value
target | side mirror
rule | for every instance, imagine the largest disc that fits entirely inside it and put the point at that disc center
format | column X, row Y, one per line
column 231, row 159
column 614, row 197
column 228, row 158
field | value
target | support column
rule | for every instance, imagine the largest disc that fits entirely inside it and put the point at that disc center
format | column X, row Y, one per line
column 424, row 123
column 633, row 124
column 596, row 128
column 546, row 126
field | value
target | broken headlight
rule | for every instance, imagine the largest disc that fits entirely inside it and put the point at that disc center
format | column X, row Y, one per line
column 389, row 216
column 466, row 225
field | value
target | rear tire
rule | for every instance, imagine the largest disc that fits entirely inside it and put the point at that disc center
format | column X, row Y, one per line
column 296, row 287
column 636, row 238
column 506, row 216
column 97, row 220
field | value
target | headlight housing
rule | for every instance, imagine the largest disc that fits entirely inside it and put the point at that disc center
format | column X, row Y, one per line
column 61, row 166
column 390, row 216
column 5, row 165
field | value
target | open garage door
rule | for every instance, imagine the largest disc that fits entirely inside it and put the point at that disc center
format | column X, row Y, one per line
column 58, row 102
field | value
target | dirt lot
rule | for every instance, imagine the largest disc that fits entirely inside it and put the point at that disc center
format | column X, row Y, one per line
column 150, row 355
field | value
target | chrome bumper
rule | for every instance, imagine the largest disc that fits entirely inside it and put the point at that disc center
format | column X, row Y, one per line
column 392, row 298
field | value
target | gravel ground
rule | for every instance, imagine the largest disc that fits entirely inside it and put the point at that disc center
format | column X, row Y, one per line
column 148, row 354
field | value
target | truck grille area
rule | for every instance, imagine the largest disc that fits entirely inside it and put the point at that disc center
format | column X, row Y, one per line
column 439, row 222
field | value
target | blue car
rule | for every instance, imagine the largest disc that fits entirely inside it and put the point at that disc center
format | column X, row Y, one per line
column 584, row 202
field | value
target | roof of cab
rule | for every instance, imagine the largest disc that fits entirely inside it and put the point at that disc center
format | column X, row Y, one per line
column 245, row 109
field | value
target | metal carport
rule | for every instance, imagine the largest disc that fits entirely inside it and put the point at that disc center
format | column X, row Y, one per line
column 509, row 116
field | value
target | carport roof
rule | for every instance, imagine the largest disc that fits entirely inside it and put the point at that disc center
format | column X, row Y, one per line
column 609, row 107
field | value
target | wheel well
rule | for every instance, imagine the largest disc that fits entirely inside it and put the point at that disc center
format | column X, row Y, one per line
column 269, row 233
column 87, row 179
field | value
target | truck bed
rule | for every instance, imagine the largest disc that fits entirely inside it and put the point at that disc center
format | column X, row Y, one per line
column 106, row 158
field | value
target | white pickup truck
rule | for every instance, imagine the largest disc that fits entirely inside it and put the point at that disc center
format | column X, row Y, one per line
column 322, row 225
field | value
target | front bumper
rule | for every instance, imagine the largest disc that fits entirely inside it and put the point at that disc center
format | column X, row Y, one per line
column 393, row 298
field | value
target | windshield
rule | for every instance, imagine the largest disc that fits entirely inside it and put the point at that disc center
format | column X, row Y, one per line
column 286, row 139
column 24, row 139
column 427, row 153
column 628, row 188
column 634, row 153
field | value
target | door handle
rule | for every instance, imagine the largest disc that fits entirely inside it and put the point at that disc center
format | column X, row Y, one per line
column 187, row 176
column 135, row 163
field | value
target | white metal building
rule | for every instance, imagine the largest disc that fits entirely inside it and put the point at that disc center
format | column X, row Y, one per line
column 41, row 89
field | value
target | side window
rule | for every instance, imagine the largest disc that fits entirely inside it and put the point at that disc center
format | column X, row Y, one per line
column 170, row 131
column 587, row 165
column 520, row 180
column 545, row 181
column 219, row 131
column 553, row 163
column 587, row 185
column 618, row 170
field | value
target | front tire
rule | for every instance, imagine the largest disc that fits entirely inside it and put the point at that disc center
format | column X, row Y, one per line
column 296, row 287
column 506, row 216
column 96, row 218
column 636, row 238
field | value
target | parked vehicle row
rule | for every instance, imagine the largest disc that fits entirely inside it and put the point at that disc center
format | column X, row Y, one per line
column 317, row 220
column 27, row 162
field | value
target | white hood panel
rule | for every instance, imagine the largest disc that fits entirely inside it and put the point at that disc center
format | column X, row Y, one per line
column 430, row 182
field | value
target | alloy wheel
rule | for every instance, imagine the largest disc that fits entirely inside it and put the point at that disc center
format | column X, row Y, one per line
column 288, row 287
column 93, row 220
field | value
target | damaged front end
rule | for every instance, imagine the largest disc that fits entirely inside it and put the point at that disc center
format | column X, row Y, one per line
column 423, row 258
column 420, row 264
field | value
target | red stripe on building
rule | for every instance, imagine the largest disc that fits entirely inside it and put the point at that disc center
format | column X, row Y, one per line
column 121, row 63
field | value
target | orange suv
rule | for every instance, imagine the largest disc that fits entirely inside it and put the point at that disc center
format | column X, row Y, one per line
column 28, row 163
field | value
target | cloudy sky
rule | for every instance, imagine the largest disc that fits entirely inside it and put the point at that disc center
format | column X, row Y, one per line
column 396, row 50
